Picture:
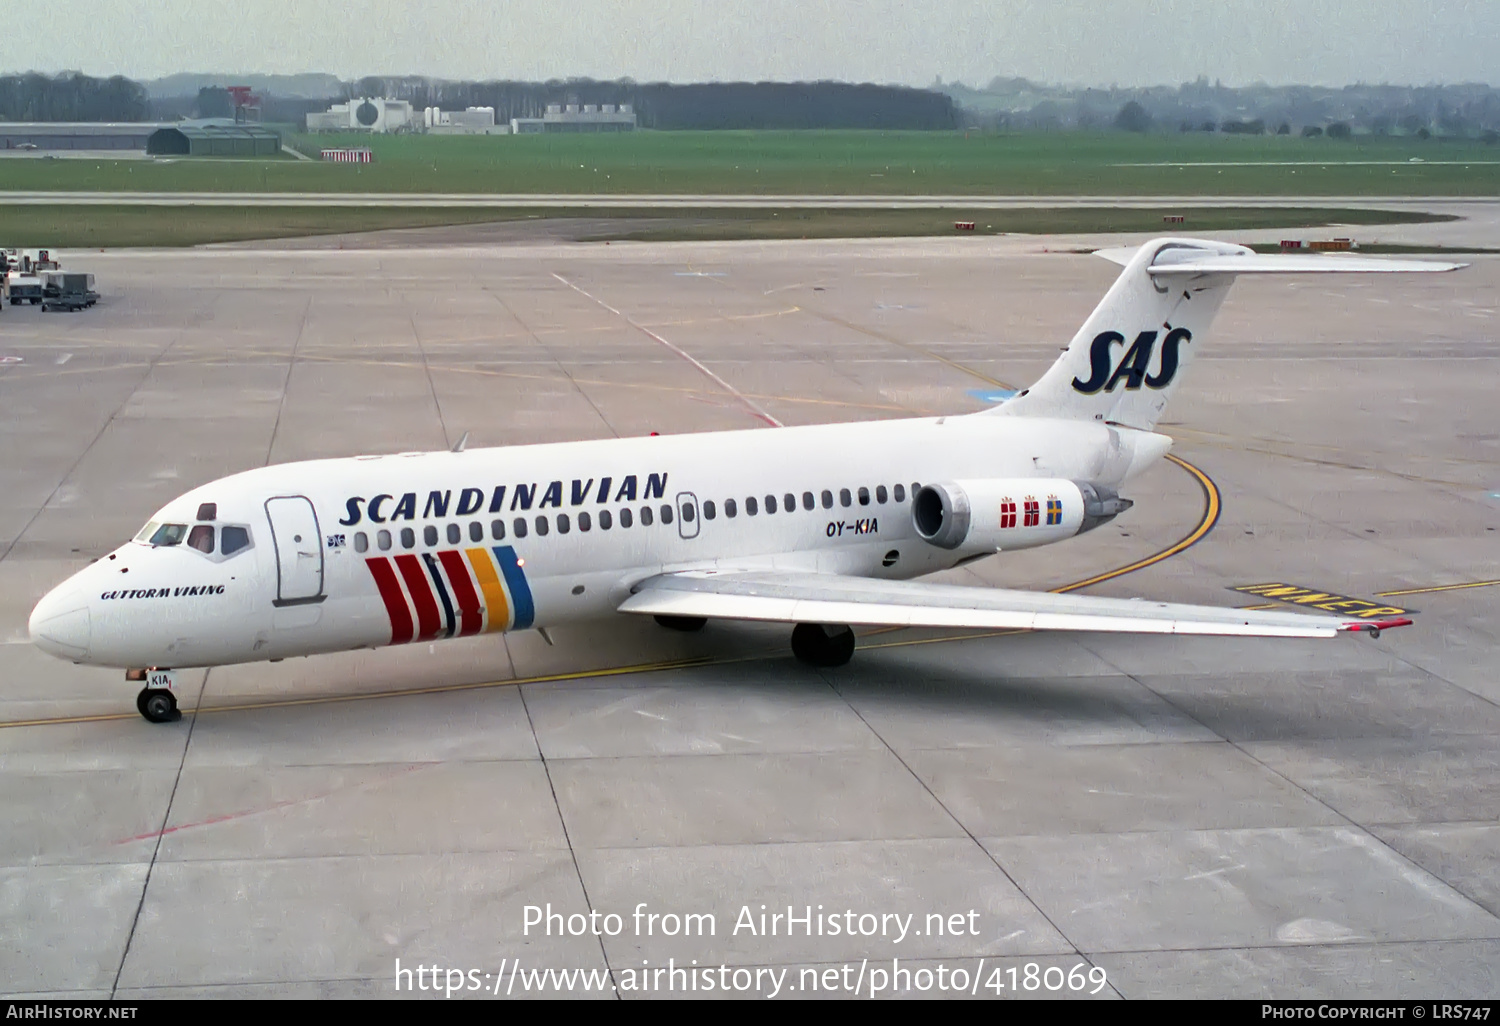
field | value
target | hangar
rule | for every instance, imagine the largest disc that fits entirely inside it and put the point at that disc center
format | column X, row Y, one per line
column 101, row 135
column 214, row 140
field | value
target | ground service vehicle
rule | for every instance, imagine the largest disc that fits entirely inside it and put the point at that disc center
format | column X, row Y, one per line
column 68, row 290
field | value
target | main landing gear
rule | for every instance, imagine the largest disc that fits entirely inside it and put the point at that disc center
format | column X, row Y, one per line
column 156, row 702
column 823, row 644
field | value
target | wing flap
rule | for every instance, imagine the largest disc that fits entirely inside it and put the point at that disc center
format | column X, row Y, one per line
column 824, row 598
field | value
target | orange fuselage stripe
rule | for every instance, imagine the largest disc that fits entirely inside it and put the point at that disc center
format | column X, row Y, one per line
column 495, row 606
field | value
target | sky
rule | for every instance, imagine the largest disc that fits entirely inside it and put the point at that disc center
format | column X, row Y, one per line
column 912, row 42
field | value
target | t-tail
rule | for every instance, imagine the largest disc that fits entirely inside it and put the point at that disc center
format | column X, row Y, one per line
column 1135, row 348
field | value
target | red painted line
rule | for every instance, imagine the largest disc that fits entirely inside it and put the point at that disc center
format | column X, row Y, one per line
column 429, row 623
column 230, row 816
column 463, row 591
column 395, row 602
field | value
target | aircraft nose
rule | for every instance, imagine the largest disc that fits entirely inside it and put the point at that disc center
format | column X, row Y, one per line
column 60, row 624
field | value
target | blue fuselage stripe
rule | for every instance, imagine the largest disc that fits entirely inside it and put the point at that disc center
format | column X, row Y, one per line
column 515, row 581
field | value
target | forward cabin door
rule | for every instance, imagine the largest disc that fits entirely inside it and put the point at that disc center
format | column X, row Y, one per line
column 299, row 550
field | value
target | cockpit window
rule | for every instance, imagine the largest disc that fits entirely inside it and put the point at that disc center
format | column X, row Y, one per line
column 201, row 537
column 168, row 534
column 233, row 539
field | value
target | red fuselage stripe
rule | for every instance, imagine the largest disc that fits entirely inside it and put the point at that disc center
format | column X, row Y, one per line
column 395, row 601
column 429, row 623
column 463, row 591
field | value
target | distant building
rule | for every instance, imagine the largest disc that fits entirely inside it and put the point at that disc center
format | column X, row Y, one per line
column 572, row 118
column 214, row 138
column 94, row 135
column 366, row 115
column 472, row 121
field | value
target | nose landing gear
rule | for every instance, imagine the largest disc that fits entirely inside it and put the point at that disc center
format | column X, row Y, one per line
column 158, row 705
column 156, row 701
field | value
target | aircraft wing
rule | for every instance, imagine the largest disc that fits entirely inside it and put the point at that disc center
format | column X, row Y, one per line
column 792, row 597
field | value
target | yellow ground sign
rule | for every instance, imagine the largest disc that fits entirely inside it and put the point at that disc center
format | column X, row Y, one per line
column 1329, row 601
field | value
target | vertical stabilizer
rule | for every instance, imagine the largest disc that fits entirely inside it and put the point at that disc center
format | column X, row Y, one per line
column 1126, row 360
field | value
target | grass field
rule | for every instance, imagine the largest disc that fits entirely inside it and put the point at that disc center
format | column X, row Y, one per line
column 820, row 162
column 109, row 227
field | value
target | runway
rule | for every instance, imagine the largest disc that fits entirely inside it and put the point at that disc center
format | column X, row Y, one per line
column 1193, row 817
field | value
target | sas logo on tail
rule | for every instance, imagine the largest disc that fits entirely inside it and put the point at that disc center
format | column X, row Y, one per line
column 1134, row 366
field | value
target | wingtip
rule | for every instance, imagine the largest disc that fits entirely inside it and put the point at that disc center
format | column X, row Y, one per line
column 1374, row 627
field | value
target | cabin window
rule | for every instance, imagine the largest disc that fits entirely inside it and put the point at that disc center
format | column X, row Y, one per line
column 646, row 516
column 807, row 500
column 563, row 527
column 626, row 517
column 361, row 541
column 201, row 537
column 789, row 502
column 827, row 499
column 520, row 527
column 169, row 534
column 880, row 494
column 429, row 535
column 900, row 493
column 383, row 540
column 730, row 510
column 688, row 513
column 845, row 499
column 585, row 522
column 751, row 507
column 916, row 487
column 864, row 496
column 455, row 534
column 408, row 538
column 497, row 530
column 666, row 514
column 770, row 504
column 476, row 531
column 606, row 520
column 708, row 509
column 541, row 527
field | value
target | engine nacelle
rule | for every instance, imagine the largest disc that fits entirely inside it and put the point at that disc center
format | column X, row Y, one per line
column 1011, row 513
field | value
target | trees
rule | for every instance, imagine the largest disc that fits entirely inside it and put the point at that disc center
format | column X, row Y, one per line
column 1311, row 131
column 71, row 97
column 1133, row 118
column 1339, row 130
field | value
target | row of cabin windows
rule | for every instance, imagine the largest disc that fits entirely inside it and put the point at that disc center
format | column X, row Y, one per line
column 788, row 502
column 520, row 527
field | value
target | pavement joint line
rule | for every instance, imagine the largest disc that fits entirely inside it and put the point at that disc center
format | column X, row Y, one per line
column 166, row 816
column 562, row 822
column 983, row 851
column 747, row 402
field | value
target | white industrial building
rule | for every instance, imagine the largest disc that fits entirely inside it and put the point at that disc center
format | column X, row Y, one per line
column 471, row 121
column 367, row 114
column 590, row 117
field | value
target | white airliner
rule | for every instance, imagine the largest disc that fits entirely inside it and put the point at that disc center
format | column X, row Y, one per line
column 821, row 527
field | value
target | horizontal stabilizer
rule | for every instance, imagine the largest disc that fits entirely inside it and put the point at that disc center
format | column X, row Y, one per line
column 789, row 597
column 1179, row 261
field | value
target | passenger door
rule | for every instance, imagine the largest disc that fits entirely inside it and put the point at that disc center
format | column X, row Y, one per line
column 299, row 550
